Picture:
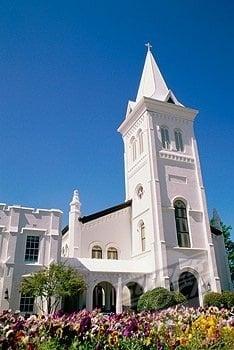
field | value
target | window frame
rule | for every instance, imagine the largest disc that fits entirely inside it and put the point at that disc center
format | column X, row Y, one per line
column 112, row 250
column 30, row 250
column 96, row 249
column 179, row 143
column 182, row 224
column 141, row 141
column 165, row 137
column 26, row 307
column 142, row 236
column 133, row 149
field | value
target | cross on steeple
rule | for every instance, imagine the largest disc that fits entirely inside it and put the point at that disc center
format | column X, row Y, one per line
column 149, row 46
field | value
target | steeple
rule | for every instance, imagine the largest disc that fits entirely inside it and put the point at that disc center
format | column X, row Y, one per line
column 152, row 83
column 75, row 203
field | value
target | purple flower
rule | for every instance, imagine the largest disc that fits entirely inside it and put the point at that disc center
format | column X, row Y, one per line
column 131, row 328
column 85, row 324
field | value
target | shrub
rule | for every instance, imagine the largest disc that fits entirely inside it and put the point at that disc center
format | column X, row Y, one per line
column 159, row 298
column 224, row 299
column 213, row 299
column 179, row 298
column 228, row 299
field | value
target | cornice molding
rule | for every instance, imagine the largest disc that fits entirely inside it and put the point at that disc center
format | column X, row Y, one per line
column 176, row 157
column 104, row 219
column 158, row 107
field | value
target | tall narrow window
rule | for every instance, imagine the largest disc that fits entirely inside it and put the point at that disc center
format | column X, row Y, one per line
column 142, row 233
column 181, row 224
column 26, row 303
column 134, row 149
column 112, row 253
column 165, row 137
column 32, row 249
column 179, row 141
column 96, row 252
column 141, row 143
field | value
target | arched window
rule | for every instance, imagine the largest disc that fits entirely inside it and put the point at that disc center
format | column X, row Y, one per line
column 142, row 235
column 179, row 141
column 141, row 143
column 165, row 137
column 134, row 148
column 181, row 224
column 96, row 252
column 112, row 253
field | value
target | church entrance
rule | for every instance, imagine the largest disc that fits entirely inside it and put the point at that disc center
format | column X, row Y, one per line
column 131, row 294
column 188, row 286
column 104, row 297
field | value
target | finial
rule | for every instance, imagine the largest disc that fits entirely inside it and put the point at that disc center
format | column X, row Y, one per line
column 75, row 196
column 75, row 203
column 149, row 46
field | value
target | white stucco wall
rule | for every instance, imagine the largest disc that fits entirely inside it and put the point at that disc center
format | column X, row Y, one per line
column 16, row 223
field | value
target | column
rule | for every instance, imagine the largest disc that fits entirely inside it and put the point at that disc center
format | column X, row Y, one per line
column 119, row 305
column 89, row 299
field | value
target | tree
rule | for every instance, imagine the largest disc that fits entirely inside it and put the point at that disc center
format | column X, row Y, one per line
column 229, row 244
column 51, row 284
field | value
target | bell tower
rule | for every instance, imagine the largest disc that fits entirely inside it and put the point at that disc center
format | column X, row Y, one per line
column 162, row 171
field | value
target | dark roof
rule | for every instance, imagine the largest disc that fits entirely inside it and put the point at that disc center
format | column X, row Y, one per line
column 99, row 214
column 104, row 212
column 216, row 231
column 65, row 229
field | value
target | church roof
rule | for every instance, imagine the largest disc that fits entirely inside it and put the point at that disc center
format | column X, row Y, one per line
column 152, row 84
column 104, row 212
column 99, row 214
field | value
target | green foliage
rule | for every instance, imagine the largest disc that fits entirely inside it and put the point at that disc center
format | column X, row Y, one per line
column 225, row 299
column 229, row 244
column 159, row 298
column 213, row 299
column 51, row 344
column 228, row 299
column 53, row 283
column 179, row 298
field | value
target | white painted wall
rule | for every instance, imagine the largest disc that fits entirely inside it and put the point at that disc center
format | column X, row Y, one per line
column 16, row 223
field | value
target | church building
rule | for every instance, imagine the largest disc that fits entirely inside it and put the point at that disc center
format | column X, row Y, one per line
column 159, row 236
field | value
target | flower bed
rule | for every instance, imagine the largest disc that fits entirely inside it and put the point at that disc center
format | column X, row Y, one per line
column 181, row 328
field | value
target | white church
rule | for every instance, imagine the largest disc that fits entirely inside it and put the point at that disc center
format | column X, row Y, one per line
column 159, row 236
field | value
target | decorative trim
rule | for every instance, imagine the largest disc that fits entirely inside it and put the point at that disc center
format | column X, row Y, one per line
column 105, row 212
column 135, row 127
column 137, row 165
column 103, row 219
column 33, row 230
column 176, row 157
column 177, row 179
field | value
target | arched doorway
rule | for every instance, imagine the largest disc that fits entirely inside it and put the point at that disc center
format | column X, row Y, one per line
column 188, row 286
column 104, row 297
column 131, row 294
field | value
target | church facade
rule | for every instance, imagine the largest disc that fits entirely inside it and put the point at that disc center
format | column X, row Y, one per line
column 159, row 236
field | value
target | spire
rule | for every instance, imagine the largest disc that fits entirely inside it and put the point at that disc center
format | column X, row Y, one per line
column 75, row 203
column 152, row 83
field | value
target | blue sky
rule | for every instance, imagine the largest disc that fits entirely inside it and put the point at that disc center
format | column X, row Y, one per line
column 67, row 70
